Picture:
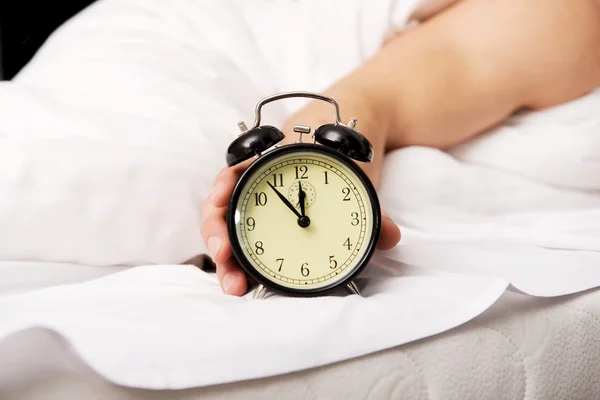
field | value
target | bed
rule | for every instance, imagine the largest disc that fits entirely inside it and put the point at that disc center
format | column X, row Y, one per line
column 108, row 147
column 521, row 348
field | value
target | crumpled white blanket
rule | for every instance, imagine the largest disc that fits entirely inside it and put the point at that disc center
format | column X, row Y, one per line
column 525, row 198
column 130, row 108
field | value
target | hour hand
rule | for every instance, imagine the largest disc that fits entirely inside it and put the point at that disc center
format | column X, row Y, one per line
column 285, row 201
column 301, row 198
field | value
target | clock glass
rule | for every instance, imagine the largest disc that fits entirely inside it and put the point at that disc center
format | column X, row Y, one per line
column 304, row 219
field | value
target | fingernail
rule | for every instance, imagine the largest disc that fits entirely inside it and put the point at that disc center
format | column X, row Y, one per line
column 218, row 188
column 214, row 246
column 228, row 281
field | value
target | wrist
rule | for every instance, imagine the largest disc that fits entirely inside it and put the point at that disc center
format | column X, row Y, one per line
column 355, row 101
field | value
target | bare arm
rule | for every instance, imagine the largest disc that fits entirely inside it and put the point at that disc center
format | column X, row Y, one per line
column 474, row 64
column 468, row 68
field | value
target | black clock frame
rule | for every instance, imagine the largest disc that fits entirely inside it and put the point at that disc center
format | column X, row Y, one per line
column 237, row 248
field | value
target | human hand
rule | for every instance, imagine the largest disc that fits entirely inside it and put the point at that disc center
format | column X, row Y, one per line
column 214, row 230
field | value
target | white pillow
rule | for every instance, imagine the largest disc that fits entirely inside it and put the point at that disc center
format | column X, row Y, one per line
column 111, row 136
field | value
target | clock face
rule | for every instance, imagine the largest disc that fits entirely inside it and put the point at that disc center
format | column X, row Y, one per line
column 303, row 220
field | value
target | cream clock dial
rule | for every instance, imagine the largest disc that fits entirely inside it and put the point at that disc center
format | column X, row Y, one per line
column 304, row 219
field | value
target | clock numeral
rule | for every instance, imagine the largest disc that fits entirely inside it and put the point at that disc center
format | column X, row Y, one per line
column 251, row 223
column 260, row 199
column 347, row 244
column 346, row 193
column 326, row 180
column 303, row 270
column 280, row 261
column 301, row 172
column 258, row 248
column 355, row 220
column 277, row 180
column 331, row 260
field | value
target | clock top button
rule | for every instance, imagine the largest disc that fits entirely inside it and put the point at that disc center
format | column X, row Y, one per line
column 302, row 130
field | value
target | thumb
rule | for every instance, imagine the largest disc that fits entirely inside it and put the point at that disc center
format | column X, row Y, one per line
column 390, row 233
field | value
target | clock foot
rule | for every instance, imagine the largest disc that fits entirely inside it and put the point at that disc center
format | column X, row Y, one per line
column 352, row 288
column 260, row 292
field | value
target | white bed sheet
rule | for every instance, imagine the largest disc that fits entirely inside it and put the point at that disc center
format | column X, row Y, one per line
column 521, row 348
column 171, row 327
column 22, row 276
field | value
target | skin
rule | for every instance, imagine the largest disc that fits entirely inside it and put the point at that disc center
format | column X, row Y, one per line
column 466, row 67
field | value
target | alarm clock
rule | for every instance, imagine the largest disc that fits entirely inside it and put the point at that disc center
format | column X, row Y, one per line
column 303, row 219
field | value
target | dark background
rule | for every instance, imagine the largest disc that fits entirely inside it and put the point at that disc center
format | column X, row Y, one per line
column 25, row 25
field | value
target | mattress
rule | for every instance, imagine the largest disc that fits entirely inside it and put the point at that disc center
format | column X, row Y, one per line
column 521, row 348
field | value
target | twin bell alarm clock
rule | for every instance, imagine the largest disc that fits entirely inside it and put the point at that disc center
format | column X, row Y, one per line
column 303, row 219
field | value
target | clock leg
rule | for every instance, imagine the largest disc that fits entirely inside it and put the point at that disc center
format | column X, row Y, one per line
column 352, row 288
column 260, row 292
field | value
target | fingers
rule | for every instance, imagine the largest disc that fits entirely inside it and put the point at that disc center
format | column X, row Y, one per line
column 390, row 233
column 214, row 233
column 232, row 279
column 225, row 182
column 209, row 210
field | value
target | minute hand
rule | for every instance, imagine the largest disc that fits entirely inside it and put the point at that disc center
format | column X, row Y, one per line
column 285, row 201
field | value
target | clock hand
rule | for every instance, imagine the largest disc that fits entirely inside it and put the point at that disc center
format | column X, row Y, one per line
column 301, row 198
column 285, row 201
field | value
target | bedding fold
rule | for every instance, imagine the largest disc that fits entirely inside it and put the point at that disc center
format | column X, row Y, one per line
column 110, row 139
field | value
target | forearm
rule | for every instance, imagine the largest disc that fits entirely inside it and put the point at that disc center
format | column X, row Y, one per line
column 476, row 63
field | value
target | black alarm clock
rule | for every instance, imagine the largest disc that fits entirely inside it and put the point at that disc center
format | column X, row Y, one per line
column 303, row 219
